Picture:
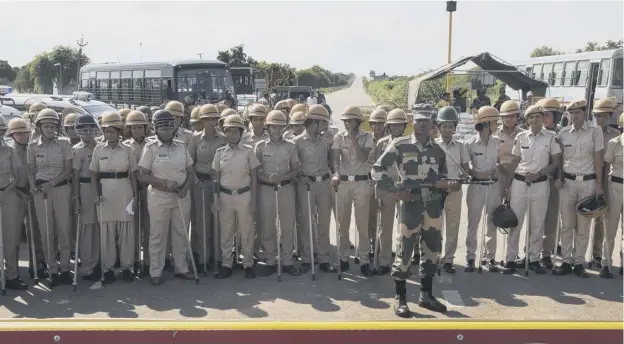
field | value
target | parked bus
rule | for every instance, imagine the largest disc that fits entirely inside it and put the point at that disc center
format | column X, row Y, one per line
column 153, row 83
column 590, row 75
column 243, row 80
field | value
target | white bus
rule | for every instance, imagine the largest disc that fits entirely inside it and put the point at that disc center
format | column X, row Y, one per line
column 591, row 75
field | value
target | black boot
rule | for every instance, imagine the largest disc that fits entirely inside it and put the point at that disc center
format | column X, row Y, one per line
column 605, row 273
column 510, row 268
column 400, row 304
column 580, row 271
column 344, row 266
column 224, row 272
column 548, row 263
column 427, row 300
column 16, row 284
column 327, row 268
column 365, row 270
column 448, row 268
column 564, row 269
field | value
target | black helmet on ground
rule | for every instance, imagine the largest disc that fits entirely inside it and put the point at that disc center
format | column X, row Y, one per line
column 592, row 206
column 504, row 218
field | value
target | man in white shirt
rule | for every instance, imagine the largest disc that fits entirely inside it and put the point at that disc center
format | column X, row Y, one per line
column 311, row 100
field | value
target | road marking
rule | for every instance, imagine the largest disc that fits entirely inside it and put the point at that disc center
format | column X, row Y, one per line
column 445, row 279
column 453, row 298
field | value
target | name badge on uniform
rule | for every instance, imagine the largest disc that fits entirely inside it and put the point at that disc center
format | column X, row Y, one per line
column 104, row 158
column 567, row 145
column 502, row 141
column 163, row 156
column 524, row 147
column 40, row 156
column 478, row 154
column 267, row 155
column 410, row 154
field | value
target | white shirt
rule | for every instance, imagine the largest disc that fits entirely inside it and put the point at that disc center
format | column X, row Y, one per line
column 311, row 101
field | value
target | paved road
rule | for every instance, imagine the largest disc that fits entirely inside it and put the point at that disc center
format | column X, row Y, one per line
column 354, row 95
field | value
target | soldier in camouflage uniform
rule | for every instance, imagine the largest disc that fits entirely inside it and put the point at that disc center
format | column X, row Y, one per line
column 421, row 166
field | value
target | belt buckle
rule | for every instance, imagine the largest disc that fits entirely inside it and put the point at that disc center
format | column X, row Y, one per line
column 234, row 192
column 116, row 174
column 351, row 178
column 318, row 179
column 579, row 178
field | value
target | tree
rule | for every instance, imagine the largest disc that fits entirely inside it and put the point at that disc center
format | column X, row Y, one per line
column 6, row 71
column 24, row 82
column 594, row 46
column 544, row 51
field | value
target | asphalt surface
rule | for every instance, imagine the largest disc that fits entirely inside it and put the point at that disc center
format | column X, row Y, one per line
column 485, row 296
column 354, row 95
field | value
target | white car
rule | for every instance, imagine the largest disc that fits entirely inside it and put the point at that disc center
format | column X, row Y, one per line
column 9, row 112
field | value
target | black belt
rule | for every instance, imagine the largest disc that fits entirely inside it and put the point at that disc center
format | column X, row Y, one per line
column 40, row 182
column 23, row 189
column 483, row 180
column 317, row 178
column 112, row 175
column 523, row 178
column 617, row 179
column 85, row 180
column 354, row 178
column 203, row 176
column 580, row 177
column 235, row 191
column 282, row 183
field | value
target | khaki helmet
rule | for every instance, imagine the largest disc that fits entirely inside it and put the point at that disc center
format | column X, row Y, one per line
column 283, row 106
column 509, row 108
column 533, row 109
column 291, row 102
column 17, row 125
column 258, row 110
column 233, row 121
column 228, row 112
column 136, row 117
column 34, row 109
column 385, row 107
column 69, row 119
column 351, row 112
column 549, row 104
column 396, row 116
column 378, row 116
column 299, row 108
column 577, row 104
column 175, row 108
column 276, row 117
column 3, row 124
column 124, row 113
column 318, row 112
column 222, row 107
column 297, row 118
column 604, row 105
column 486, row 114
column 47, row 116
column 112, row 119
column 194, row 115
column 207, row 111
column 619, row 122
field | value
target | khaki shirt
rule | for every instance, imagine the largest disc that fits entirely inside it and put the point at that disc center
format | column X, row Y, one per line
column 20, row 150
column 276, row 157
column 82, row 159
column 507, row 144
column 349, row 164
column 313, row 155
column 49, row 158
column 10, row 162
column 166, row 162
column 203, row 148
column 608, row 134
column 250, row 138
column 235, row 165
column 579, row 147
column 614, row 156
column 184, row 135
column 535, row 150
column 456, row 153
column 108, row 159
column 136, row 147
column 483, row 158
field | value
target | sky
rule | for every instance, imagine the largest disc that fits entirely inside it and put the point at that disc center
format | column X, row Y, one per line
column 398, row 38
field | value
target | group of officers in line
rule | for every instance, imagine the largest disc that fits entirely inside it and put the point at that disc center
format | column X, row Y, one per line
column 258, row 191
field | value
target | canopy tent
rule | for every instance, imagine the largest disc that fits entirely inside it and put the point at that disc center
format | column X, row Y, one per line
column 512, row 76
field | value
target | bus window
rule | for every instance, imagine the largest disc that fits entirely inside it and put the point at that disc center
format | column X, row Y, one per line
column 568, row 73
column 582, row 70
column 137, row 83
column 603, row 73
column 617, row 72
column 102, row 84
column 557, row 74
column 547, row 72
column 126, row 77
column 115, row 84
column 537, row 70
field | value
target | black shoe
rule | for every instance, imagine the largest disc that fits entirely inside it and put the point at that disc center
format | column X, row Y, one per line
column 94, row 276
column 548, row 263
column 596, row 263
column 470, row 266
column 351, row 246
column 510, row 268
column 400, row 304
column 428, row 301
column 383, row 270
column 42, row 270
column 344, row 266
column 580, row 271
column 156, row 280
column 291, row 270
column 16, row 284
column 327, row 268
column 127, row 276
column 605, row 273
column 55, row 280
column 365, row 270
column 267, row 270
column 492, row 267
column 305, row 267
column 448, row 268
column 564, row 269
column 520, row 263
column 416, row 259
column 66, row 278
column 186, row 276
column 249, row 273
column 224, row 272
column 109, row 277
column 537, row 268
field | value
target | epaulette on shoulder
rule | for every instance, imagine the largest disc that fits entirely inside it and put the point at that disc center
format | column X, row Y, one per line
column 222, row 148
column 78, row 145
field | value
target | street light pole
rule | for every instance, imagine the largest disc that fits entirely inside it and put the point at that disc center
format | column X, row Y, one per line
column 451, row 6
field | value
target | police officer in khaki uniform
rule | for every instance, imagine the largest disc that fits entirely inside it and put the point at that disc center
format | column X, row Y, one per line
column 536, row 156
column 285, row 107
column 50, row 166
column 124, row 113
column 279, row 165
column 148, row 115
column 176, row 108
column 581, row 177
column 196, row 123
column 551, row 117
column 507, row 132
column 483, row 149
column 313, row 154
column 377, row 122
column 19, row 131
column 351, row 152
column 12, row 210
column 296, row 125
column 202, row 149
column 113, row 179
column 86, row 128
column 602, row 111
column 457, row 163
column 167, row 167
column 614, row 161
column 33, row 111
column 69, row 118
column 235, row 165
column 396, row 122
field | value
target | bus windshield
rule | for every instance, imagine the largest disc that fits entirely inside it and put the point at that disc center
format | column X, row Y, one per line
column 202, row 83
column 617, row 72
column 98, row 110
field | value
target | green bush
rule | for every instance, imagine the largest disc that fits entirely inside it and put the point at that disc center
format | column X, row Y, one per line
column 394, row 91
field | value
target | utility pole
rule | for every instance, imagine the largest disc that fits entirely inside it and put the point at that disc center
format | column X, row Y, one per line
column 81, row 44
column 201, row 55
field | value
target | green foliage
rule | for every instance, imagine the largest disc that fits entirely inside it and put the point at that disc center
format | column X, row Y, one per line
column 394, row 91
column 589, row 46
column 6, row 71
column 544, row 51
